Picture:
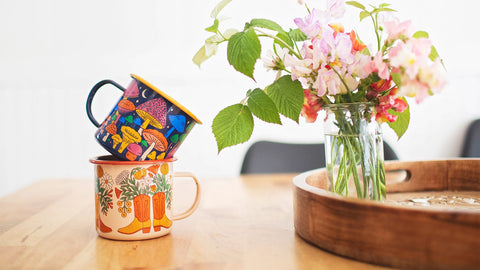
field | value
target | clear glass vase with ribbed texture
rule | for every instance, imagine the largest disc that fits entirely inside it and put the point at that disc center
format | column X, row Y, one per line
column 354, row 151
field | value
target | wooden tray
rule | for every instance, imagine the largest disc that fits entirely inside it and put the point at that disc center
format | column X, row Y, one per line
column 431, row 218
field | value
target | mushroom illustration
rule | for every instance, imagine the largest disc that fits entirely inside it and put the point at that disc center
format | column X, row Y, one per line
column 129, row 136
column 153, row 112
column 116, row 140
column 132, row 90
column 125, row 106
column 133, row 151
column 178, row 123
column 156, row 140
column 111, row 130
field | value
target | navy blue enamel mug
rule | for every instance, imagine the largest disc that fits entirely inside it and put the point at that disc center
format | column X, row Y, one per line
column 145, row 124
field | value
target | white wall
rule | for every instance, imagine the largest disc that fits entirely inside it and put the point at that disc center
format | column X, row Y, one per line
column 52, row 52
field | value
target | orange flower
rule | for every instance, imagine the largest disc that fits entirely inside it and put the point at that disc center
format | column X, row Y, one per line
column 311, row 105
column 337, row 27
column 357, row 45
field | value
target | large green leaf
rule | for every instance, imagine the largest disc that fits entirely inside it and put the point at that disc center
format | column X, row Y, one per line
column 267, row 24
column 263, row 107
column 232, row 125
column 401, row 125
column 243, row 51
column 288, row 96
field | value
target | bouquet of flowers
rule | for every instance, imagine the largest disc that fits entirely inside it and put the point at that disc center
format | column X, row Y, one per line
column 320, row 64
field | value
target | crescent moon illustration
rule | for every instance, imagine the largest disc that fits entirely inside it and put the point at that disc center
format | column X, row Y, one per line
column 143, row 93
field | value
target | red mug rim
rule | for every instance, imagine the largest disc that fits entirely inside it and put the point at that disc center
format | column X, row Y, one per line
column 111, row 160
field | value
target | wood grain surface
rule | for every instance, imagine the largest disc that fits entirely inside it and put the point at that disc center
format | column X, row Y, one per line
column 399, row 234
column 241, row 223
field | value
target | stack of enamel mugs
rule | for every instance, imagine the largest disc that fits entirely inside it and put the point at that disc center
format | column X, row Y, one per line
column 133, row 185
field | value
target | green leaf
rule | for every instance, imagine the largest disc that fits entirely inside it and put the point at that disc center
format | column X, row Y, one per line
column 397, row 79
column 214, row 27
column 243, row 51
column 401, row 125
column 200, row 56
column 433, row 54
column 364, row 14
column 267, row 24
column 263, row 107
column 287, row 96
column 420, row 34
column 355, row 4
column 377, row 10
column 232, row 125
column 297, row 35
column 285, row 37
column 219, row 8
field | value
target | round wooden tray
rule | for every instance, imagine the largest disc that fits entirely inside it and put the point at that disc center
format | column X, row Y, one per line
column 431, row 218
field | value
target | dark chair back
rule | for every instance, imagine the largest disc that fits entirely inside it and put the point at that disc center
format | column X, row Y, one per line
column 275, row 157
column 471, row 144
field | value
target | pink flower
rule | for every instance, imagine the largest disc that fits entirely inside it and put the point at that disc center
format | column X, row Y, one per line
column 336, row 8
column 410, row 56
column 312, row 24
column 379, row 66
column 433, row 76
column 357, row 68
column 386, row 103
column 397, row 29
column 343, row 48
column 299, row 68
column 324, row 81
column 413, row 88
column 400, row 105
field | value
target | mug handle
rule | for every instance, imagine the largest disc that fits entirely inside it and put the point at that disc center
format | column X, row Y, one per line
column 92, row 94
column 195, row 203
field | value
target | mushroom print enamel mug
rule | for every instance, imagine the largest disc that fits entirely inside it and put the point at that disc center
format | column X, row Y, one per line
column 133, row 199
column 145, row 124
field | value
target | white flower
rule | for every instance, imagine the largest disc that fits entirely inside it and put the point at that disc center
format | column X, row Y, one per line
column 273, row 61
column 106, row 182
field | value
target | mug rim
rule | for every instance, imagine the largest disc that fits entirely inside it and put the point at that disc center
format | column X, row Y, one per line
column 112, row 160
column 166, row 97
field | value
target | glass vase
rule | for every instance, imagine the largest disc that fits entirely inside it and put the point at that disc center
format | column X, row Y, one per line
column 354, row 151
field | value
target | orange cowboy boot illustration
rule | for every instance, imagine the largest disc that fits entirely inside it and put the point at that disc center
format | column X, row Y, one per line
column 159, row 218
column 98, row 221
column 141, row 205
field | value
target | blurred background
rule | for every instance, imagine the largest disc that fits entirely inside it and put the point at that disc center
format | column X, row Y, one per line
column 52, row 52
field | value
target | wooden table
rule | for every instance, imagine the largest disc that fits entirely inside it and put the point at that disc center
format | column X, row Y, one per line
column 241, row 223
